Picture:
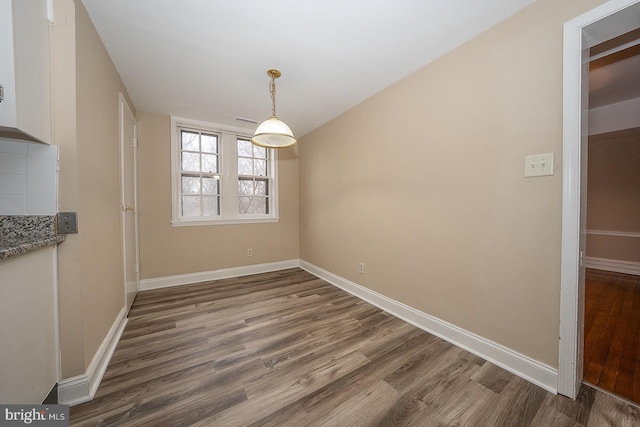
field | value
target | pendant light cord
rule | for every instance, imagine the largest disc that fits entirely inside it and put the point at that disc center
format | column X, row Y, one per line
column 272, row 89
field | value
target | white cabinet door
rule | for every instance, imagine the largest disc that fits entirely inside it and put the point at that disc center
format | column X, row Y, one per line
column 25, row 70
column 7, row 66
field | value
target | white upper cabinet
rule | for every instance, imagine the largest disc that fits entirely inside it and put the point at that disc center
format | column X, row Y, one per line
column 25, row 110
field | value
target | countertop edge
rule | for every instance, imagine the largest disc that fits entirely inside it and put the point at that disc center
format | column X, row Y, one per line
column 33, row 244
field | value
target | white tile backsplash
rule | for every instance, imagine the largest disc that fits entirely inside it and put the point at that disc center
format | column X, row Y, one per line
column 13, row 163
column 13, row 204
column 41, row 185
column 42, row 150
column 12, row 146
column 13, row 183
column 28, row 178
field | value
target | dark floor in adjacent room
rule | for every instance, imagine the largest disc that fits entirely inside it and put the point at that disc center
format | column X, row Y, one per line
column 612, row 332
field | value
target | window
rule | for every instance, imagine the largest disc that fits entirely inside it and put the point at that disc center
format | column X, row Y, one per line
column 253, row 178
column 219, row 177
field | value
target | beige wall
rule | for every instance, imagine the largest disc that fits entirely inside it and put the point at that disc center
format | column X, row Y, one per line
column 166, row 250
column 98, row 86
column 613, row 194
column 86, row 88
column 424, row 184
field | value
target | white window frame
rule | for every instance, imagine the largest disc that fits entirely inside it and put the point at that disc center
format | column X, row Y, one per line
column 229, row 212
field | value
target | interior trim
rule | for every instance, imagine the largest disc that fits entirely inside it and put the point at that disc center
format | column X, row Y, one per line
column 223, row 273
column 626, row 267
column 613, row 233
column 81, row 388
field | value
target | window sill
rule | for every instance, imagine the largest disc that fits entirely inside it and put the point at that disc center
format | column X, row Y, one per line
column 200, row 222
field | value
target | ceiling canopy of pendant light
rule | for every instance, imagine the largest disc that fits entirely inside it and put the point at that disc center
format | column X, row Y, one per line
column 273, row 133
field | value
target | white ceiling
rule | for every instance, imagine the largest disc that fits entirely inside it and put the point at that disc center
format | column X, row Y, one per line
column 207, row 59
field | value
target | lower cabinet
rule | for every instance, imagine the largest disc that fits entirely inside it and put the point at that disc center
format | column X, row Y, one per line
column 28, row 327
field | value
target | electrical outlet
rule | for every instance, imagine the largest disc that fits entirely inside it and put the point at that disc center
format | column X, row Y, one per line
column 361, row 267
column 67, row 222
column 249, row 252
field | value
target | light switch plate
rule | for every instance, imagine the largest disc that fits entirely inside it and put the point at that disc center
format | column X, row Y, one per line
column 538, row 165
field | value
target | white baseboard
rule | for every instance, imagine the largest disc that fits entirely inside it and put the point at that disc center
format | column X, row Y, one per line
column 82, row 388
column 523, row 366
column 223, row 273
column 626, row 267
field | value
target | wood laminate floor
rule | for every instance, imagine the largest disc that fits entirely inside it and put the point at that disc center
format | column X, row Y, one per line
column 288, row 349
column 612, row 332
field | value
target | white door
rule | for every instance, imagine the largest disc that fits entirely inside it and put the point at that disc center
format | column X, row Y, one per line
column 129, row 201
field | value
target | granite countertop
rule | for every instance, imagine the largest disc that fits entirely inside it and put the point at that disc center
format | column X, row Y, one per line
column 21, row 234
column 14, row 247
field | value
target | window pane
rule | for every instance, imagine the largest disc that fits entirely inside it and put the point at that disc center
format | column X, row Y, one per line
column 245, row 187
column 260, row 152
column 261, row 167
column 253, row 205
column 191, row 162
column 244, row 204
column 211, row 205
column 245, row 166
column 190, row 141
column 209, row 143
column 210, row 186
column 260, row 188
column 210, row 163
column 245, row 148
column 260, row 206
column 190, row 185
column 190, row 205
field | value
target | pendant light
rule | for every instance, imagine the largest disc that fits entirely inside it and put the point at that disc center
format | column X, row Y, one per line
column 273, row 133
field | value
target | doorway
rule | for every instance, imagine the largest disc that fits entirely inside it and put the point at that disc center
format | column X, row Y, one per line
column 129, row 202
column 603, row 23
column 612, row 300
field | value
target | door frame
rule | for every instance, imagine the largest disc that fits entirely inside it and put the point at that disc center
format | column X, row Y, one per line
column 600, row 24
column 125, row 109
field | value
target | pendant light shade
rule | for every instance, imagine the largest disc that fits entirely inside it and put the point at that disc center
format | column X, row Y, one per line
column 273, row 133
